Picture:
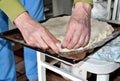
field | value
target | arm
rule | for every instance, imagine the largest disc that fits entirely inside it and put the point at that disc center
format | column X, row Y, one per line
column 78, row 29
column 33, row 32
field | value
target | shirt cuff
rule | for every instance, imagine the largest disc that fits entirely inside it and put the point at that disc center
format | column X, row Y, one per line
column 87, row 1
column 12, row 8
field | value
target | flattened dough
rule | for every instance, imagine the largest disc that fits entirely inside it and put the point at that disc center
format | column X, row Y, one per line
column 57, row 26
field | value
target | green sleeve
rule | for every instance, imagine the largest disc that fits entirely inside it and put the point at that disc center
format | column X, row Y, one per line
column 88, row 1
column 12, row 8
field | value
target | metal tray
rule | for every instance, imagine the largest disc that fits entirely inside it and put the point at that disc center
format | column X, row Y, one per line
column 14, row 35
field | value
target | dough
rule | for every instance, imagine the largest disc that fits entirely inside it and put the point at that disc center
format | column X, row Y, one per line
column 57, row 26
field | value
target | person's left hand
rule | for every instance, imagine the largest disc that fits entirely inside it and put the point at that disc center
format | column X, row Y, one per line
column 78, row 29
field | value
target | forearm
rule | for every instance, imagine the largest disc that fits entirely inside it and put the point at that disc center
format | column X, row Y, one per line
column 12, row 8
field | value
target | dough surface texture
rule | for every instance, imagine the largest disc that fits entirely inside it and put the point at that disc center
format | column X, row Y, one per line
column 57, row 26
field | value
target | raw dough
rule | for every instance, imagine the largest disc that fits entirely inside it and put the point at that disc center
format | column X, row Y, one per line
column 57, row 26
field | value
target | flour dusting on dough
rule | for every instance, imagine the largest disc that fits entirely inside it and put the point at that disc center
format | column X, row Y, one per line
column 57, row 26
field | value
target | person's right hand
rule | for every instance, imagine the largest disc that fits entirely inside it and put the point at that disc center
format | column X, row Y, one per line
column 35, row 34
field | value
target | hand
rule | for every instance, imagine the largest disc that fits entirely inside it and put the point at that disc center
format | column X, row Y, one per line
column 34, row 33
column 78, row 29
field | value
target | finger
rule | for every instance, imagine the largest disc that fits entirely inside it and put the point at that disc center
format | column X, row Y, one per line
column 42, row 44
column 81, row 41
column 74, row 39
column 68, row 37
column 50, row 43
column 86, row 40
column 52, row 37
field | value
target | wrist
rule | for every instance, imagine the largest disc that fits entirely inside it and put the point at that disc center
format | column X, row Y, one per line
column 81, row 9
column 84, row 5
column 22, row 19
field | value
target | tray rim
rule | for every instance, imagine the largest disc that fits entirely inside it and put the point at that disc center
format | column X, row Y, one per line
column 6, row 34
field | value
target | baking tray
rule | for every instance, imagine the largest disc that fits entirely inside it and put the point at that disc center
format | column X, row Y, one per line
column 14, row 35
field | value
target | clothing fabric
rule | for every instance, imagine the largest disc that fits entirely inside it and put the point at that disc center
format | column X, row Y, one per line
column 12, row 8
column 110, row 52
column 88, row 1
column 99, row 10
column 35, row 10
column 7, row 62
